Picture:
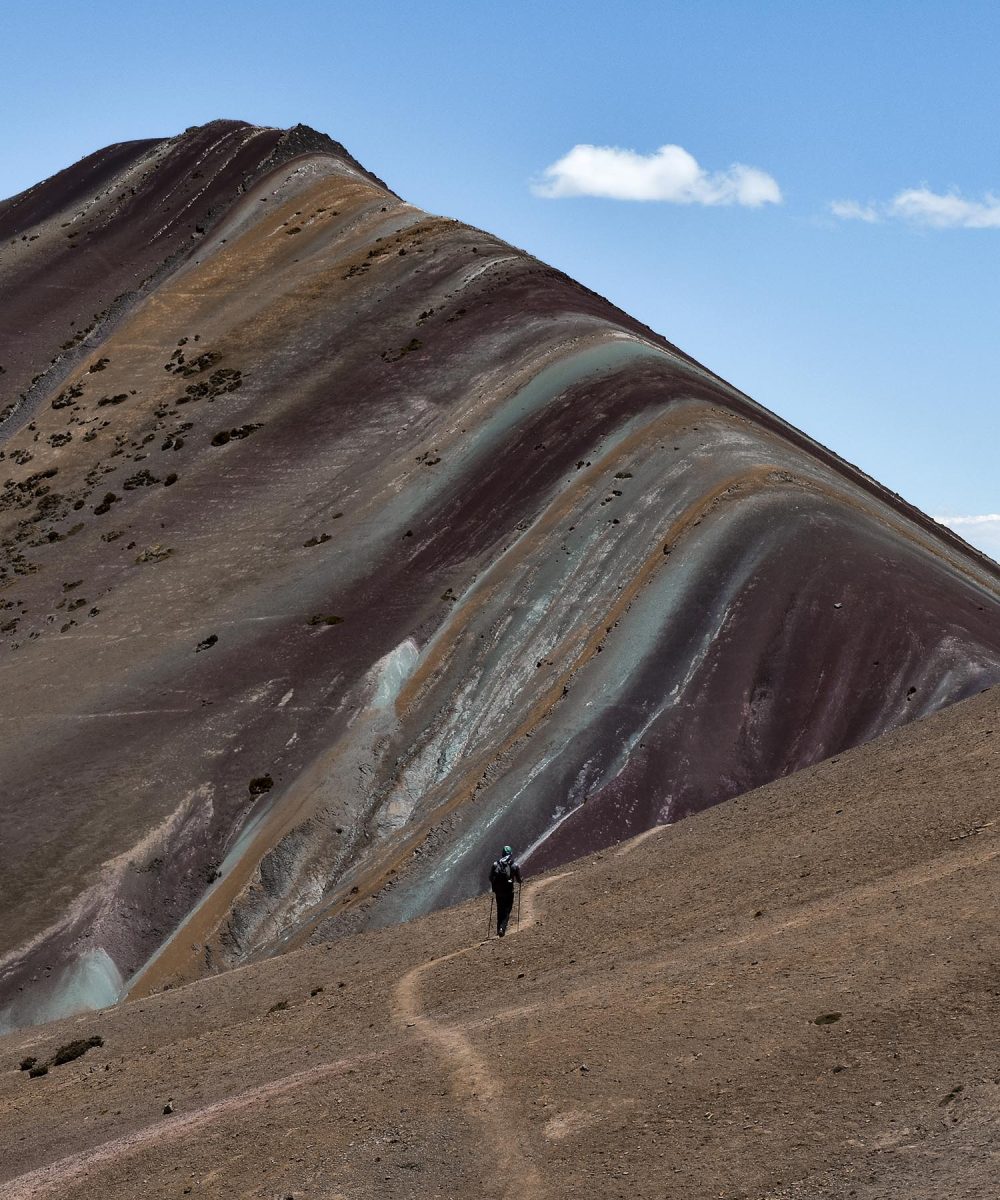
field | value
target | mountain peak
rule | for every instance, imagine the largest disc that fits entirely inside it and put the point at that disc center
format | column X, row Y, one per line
column 338, row 537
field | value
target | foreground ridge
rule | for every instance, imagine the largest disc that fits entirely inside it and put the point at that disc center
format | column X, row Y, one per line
column 789, row 995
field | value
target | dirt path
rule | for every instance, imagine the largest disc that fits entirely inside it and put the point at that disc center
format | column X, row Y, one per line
column 54, row 1177
column 473, row 1081
column 634, row 843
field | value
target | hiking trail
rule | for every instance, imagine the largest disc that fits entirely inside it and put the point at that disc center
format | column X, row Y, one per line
column 55, row 1177
column 474, row 1083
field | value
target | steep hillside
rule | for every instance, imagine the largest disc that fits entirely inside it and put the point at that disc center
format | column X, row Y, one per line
column 338, row 537
column 791, row 995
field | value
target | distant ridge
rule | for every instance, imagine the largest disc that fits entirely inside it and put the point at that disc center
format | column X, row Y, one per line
column 338, row 539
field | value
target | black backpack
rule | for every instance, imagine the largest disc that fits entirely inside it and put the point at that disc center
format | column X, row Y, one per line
column 501, row 871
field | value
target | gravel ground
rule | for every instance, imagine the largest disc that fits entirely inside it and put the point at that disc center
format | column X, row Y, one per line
column 792, row 995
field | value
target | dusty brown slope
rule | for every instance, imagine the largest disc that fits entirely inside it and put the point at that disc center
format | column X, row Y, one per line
column 792, row 995
column 334, row 534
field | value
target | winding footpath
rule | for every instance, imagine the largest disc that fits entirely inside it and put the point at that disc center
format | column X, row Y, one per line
column 55, row 1177
column 473, row 1082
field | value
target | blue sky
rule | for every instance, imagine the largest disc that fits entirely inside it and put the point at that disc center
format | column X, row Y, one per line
column 875, row 330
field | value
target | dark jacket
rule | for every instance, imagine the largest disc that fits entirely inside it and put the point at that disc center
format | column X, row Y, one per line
column 503, row 873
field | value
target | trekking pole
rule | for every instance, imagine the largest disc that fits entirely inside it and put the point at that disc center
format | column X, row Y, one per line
column 517, row 927
column 489, row 923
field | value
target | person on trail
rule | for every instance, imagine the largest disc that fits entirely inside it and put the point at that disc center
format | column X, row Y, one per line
column 503, row 874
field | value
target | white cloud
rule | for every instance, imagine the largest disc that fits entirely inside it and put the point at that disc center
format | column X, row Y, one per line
column 921, row 206
column 851, row 210
column 949, row 211
column 985, row 519
column 982, row 531
column 669, row 174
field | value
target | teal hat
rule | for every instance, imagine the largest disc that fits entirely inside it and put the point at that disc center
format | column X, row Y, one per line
column 508, row 849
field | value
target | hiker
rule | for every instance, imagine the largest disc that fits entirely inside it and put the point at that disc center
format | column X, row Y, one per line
column 503, row 873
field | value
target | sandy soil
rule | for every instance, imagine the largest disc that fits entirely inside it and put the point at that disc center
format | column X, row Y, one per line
column 651, row 1029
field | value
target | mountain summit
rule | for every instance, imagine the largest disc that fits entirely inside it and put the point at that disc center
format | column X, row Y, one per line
column 342, row 542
